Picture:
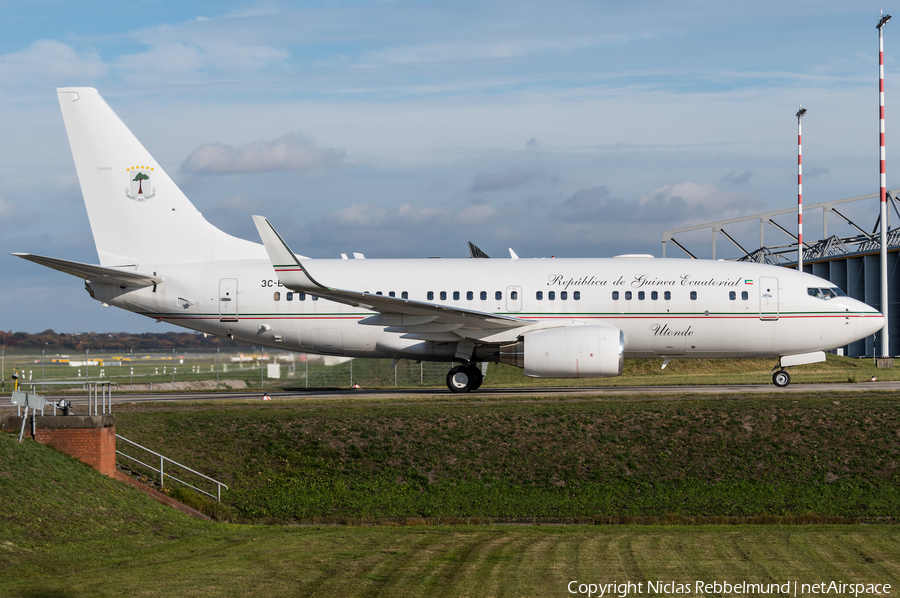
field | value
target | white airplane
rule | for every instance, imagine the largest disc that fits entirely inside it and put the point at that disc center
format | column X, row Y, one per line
column 555, row 318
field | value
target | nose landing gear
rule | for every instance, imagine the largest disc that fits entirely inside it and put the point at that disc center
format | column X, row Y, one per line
column 781, row 378
column 464, row 378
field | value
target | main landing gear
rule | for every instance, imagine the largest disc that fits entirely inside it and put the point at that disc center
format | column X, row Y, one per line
column 464, row 378
column 781, row 378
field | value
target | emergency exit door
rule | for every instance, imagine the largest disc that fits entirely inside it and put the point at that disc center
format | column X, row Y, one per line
column 228, row 300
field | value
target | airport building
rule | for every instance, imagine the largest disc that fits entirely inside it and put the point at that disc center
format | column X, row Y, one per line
column 851, row 259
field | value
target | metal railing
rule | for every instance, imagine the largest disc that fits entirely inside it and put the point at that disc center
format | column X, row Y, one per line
column 163, row 475
column 99, row 393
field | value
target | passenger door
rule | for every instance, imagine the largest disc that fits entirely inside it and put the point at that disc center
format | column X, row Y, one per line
column 768, row 298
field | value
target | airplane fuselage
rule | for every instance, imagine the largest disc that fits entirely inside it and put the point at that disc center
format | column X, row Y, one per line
column 666, row 308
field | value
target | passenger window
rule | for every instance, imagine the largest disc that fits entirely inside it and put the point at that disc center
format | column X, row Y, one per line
column 641, row 295
column 430, row 295
column 514, row 295
column 732, row 295
column 456, row 295
column 628, row 295
column 391, row 294
column 484, row 295
column 539, row 295
column 277, row 296
column 745, row 295
column 378, row 293
column 576, row 295
column 301, row 296
column 498, row 295
column 404, row 295
column 290, row 296
column 563, row 295
column 469, row 295
column 615, row 295
column 314, row 297
column 693, row 295
column 443, row 295
column 551, row 295
column 654, row 295
column 667, row 295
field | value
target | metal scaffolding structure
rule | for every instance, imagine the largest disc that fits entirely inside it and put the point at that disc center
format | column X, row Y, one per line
column 786, row 254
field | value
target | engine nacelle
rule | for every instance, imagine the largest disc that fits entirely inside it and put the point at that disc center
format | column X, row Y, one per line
column 594, row 351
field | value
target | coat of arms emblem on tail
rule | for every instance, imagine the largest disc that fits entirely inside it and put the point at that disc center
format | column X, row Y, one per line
column 140, row 183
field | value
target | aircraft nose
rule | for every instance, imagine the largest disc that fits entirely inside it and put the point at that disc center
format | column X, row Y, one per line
column 875, row 322
column 871, row 322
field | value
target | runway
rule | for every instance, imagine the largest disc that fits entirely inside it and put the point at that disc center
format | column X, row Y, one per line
column 120, row 398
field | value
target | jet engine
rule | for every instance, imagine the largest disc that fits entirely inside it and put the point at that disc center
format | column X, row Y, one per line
column 589, row 351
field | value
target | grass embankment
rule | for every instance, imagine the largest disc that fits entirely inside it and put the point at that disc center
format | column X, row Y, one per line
column 809, row 458
column 66, row 530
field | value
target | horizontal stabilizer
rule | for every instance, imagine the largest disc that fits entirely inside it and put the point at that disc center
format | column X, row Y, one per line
column 92, row 273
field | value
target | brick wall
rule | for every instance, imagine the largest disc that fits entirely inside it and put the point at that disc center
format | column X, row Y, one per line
column 90, row 439
column 94, row 446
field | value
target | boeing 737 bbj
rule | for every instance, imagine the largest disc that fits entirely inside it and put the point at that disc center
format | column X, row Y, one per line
column 555, row 318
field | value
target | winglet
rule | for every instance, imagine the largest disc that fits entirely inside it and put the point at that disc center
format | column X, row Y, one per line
column 290, row 271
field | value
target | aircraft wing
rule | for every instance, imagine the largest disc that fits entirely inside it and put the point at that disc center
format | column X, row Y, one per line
column 91, row 273
column 393, row 311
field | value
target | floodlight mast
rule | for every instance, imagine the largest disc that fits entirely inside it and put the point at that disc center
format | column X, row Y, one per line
column 800, row 114
column 885, row 335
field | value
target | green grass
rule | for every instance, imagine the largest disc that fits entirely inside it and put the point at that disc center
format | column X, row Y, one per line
column 67, row 531
column 827, row 456
column 456, row 561
column 681, row 372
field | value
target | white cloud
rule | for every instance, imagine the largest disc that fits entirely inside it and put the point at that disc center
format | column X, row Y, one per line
column 48, row 60
column 478, row 50
column 690, row 203
column 294, row 152
column 187, row 61
column 590, row 222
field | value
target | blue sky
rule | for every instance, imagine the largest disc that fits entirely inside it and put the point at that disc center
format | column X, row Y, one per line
column 405, row 128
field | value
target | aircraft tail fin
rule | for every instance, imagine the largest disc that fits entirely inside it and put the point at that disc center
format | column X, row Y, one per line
column 137, row 212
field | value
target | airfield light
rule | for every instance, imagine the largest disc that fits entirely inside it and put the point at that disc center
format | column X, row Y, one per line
column 885, row 335
column 800, row 114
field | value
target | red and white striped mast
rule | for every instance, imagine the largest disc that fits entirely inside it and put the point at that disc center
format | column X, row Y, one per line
column 885, row 347
column 800, row 114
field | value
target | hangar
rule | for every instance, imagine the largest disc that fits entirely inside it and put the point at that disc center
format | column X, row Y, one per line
column 849, row 259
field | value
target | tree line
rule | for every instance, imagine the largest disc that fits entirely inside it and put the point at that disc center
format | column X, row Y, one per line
column 114, row 341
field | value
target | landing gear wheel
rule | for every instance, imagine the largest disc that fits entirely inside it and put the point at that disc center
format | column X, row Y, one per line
column 476, row 377
column 781, row 378
column 459, row 379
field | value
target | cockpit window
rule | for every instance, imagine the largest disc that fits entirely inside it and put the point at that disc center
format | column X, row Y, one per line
column 825, row 292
